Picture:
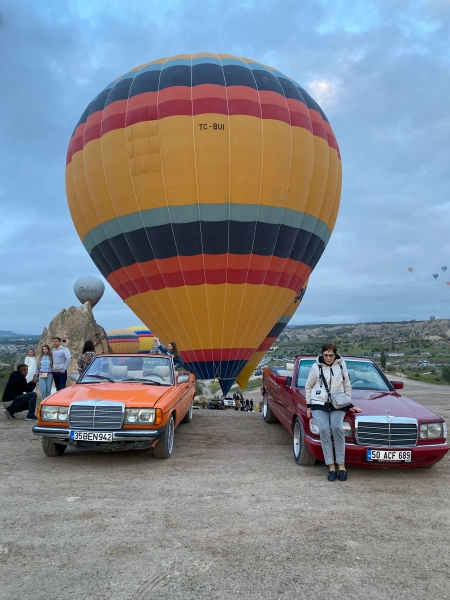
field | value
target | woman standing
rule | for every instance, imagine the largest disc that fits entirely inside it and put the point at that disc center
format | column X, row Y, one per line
column 87, row 356
column 45, row 371
column 30, row 361
column 328, row 376
column 172, row 351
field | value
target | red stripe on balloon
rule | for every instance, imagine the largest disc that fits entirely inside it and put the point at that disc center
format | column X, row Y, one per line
column 209, row 277
column 217, row 354
column 125, row 113
column 199, row 262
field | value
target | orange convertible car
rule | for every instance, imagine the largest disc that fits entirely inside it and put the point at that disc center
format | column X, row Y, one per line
column 120, row 402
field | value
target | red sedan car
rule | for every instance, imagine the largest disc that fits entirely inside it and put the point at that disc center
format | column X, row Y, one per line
column 391, row 430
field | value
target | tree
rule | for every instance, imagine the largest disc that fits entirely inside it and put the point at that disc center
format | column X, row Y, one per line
column 446, row 373
column 383, row 358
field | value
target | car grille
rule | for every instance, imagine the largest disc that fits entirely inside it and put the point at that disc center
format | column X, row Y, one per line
column 96, row 415
column 386, row 431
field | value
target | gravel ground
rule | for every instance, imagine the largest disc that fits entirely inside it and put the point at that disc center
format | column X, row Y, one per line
column 229, row 515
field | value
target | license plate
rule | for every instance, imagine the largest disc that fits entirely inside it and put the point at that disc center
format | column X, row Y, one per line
column 389, row 455
column 91, row 436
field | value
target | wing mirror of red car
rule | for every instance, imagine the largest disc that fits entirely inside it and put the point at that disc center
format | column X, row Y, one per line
column 288, row 381
column 397, row 385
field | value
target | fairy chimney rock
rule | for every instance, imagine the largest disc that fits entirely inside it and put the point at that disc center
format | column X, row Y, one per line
column 74, row 326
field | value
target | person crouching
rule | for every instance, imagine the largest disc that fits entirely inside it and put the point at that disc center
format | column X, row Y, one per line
column 19, row 395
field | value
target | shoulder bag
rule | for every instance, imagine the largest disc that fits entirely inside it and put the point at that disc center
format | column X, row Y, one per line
column 338, row 399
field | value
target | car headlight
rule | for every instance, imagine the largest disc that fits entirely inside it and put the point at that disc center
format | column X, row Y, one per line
column 347, row 429
column 54, row 413
column 432, row 431
column 313, row 427
column 140, row 415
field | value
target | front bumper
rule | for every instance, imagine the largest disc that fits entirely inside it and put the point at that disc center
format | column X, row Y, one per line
column 122, row 439
column 355, row 455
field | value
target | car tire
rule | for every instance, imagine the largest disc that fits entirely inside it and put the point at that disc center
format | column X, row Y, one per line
column 164, row 447
column 268, row 415
column 51, row 448
column 302, row 455
column 188, row 416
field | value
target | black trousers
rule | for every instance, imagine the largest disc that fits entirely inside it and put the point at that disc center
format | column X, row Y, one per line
column 24, row 402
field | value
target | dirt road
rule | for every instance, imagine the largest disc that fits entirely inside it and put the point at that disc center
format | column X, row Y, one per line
column 229, row 516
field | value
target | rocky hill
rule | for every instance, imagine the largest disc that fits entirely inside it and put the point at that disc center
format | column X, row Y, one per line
column 437, row 332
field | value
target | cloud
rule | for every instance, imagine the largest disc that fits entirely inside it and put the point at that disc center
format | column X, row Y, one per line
column 379, row 69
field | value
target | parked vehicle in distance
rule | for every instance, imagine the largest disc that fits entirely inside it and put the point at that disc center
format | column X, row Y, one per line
column 391, row 430
column 121, row 402
column 216, row 404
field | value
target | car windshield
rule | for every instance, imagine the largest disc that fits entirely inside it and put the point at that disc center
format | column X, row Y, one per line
column 363, row 375
column 149, row 370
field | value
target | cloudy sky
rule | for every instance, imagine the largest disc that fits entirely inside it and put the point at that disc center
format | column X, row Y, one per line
column 378, row 68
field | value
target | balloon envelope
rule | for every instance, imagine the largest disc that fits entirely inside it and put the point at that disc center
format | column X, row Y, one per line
column 444, row 268
column 435, row 275
column 205, row 188
column 410, row 269
column 447, row 282
column 244, row 376
column 146, row 338
column 123, row 340
column 89, row 289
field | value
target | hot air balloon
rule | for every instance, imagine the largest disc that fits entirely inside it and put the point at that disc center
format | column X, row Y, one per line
column 146, row 338
column 410, row 269
column 123, row 340
column 205, row 188
column 244, row 376
column 444, row 269
column 434, row 318
column 89, row 289
column 447, row 282
column 435, row 275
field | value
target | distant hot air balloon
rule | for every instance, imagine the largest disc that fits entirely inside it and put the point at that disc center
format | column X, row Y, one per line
column 89, row 289
column 447, row 282
column 146, row 338
column 410, row 269
column 123, row 340
column 435, row 275
column 444, row 269
column 205, row 188
column 244, row 376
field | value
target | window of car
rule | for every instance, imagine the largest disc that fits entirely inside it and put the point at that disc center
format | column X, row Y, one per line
column 126, row 368
column 303, row 371
column 363, row 375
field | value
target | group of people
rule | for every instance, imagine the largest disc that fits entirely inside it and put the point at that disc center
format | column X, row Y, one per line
column 49, row 368
column 241, row 404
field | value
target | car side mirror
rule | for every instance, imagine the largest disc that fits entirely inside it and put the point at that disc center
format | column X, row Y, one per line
column 397, row 385
column 74, row 376
column 289, row 381
column 183, row 378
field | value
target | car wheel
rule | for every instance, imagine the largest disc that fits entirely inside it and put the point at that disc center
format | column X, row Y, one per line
column 164, row 447
column 301, row 452
column 188, row 416
column 51, row 448
column 268, row 415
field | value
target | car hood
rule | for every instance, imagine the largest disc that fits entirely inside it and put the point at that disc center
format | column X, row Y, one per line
column 131, row 394
column 378, row 403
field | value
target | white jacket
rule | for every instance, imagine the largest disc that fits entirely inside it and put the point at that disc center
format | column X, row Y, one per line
column 337, row 380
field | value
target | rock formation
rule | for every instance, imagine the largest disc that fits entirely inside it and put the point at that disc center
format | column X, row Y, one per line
column 74, row 326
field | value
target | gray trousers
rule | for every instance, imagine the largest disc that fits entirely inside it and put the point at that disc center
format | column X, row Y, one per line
column 331, row 423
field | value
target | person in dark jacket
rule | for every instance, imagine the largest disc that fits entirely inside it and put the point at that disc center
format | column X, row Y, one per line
column 19, row 395
column 172, row 351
